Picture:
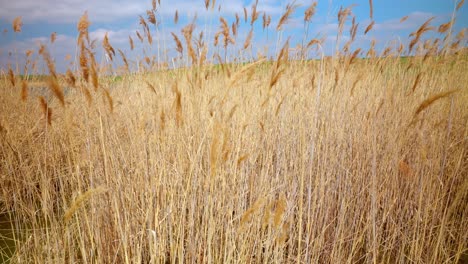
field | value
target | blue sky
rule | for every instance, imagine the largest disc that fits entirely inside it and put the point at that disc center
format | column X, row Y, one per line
column 119, row 19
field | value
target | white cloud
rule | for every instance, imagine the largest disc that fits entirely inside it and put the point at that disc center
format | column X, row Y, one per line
column 69, row 11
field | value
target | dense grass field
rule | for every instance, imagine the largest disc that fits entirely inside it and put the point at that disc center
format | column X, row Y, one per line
column 340, row 159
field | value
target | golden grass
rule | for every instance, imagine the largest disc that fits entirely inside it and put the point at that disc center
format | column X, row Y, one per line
column 337, row 160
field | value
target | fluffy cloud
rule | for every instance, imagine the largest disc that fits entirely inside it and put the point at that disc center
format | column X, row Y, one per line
column 69, row 11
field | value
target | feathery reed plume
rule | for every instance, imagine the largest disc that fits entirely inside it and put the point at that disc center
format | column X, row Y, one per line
column 139, row 36
column 148, row 35
column 124, row 59
column 429, row 101
column 216, row 39
column 248, row 39
column 276, row 74
column 87, row 94
column 178, row 104
column 50, row 63
column 280, row 209
column 223, row 65
column 371, row 10
column 207, row 4
column 264, row 22
column 83, row 25
column 290, row 8
column 179, row 46
column 151, row 16
column 417, row 34
column 24, row 91
column 147, row 60
column 130, row 40
column 187, row 31
column 371, row 51
column 153, row 5
column 162, row 119
column 202, row 57
column 386, row 52
column 53, row 37
column 143, row 23
column 278, row 107
column 314, row 42
column 93, row 70
column 354, row 55
column 400, row 49
column 46, row 110
column 444, row 27
column 245, row 14
column 461, row 34
column 310, row 12
column 234, row 29
column 108, row 47
column 225, row 148
column 176, row 17
column 17, row 24
column 359, row 77
column 56, row 90
column 342, row 16
column 267, row 216
column 151, row 87
column 11, row 76
column 254, row 14
column 70, row 78
column 247, row 68
column 423, row 28
column 110, row 101
column 403, row 19
column 460, row 4
column 405, row 168
column 225, row 32
column 369, row 27
column 242, row 158
column 353, row 29
column 416, row 82
column 80, row 200
column 84, row 63
column 249, row 212
column 283, row 55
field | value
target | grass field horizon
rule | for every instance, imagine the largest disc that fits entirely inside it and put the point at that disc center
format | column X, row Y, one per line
column 220, row 155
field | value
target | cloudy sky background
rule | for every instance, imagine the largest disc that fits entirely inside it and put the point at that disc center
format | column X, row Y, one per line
column 119, row 19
